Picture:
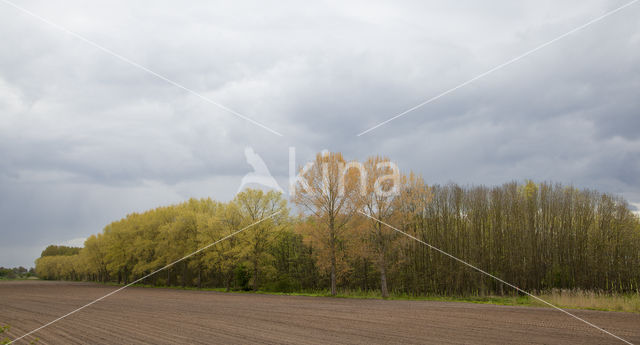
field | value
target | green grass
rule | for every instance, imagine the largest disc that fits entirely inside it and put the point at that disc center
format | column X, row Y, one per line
column 6, row 340
column 576, row 299
column 580, row 299
column 3, row 329
column 19, row 278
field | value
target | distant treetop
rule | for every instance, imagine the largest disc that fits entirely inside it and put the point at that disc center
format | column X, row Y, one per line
column 60, row 250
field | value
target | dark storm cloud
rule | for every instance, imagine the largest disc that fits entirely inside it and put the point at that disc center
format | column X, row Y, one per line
column 86, row 138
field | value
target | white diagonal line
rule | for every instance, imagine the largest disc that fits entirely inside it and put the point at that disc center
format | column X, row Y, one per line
column 496, row 278
column 148, row 275
column 500, row 66
column 135, row 64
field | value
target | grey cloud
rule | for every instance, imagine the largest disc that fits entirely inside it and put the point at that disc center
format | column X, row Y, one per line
column 86, row 138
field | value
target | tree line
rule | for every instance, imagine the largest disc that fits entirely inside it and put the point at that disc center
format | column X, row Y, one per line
column 16, row 272
column 537, row 236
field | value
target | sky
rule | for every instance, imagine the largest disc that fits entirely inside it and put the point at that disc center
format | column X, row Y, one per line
column 116, row 107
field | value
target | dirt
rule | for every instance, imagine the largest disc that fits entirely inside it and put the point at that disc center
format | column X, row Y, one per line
column 166, row 316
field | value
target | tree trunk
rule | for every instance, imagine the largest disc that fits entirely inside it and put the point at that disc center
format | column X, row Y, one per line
column 382, row 260
column 184, row 274
column 366, row 276
column 383, row 275
column 255, row 274
column 334, row 290
column 228, row 280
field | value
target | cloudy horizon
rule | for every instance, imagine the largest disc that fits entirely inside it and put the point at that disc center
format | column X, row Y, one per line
column 87, row 138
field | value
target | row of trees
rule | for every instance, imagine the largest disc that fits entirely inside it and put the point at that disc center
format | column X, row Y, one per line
column 536, row 236
column 16, row 272
column 141, row 243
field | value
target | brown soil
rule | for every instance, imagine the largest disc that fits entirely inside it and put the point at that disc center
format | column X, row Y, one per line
column 165, row 316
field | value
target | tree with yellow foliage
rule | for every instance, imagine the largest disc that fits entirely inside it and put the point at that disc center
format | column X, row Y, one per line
column 327, row 190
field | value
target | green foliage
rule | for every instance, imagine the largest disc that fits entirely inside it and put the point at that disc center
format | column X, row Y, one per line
column 284, row 284
column 537, row 236
column 242, row 277
column 140, row 243
column 53, row 250
column 4, row 329
column 16, row 273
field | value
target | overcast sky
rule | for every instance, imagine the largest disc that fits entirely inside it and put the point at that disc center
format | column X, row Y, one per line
column 86, row 138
